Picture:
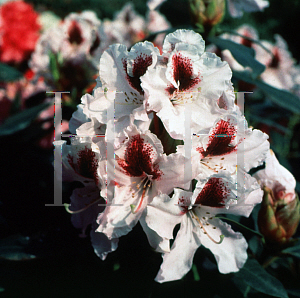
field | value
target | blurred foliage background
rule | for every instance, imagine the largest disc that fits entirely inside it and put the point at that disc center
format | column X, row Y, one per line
column 280, row 17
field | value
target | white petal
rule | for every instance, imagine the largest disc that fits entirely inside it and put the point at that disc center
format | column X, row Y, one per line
column 160, row 244
column 81, row 198
column 254, row 148
column 179, row 260
column 162, row 222
column 102, row 245
column 231, row 254
column 78, row 118
column 121, row 71
column 183, row 36
column 274, row 173
column 117, row 219
column 172, row 176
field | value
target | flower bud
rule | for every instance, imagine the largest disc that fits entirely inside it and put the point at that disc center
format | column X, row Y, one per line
column 279, row 215
column 207, row 13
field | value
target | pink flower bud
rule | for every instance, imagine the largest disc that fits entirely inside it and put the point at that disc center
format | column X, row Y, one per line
column 279, row 215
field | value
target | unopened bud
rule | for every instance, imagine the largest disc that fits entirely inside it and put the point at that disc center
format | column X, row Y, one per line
column 207, row 13
column 279, row 215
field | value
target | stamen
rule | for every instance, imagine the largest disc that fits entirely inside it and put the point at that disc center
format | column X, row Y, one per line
column 146, row 187
column 194, row 216
column 80, row 210
column 208, row 166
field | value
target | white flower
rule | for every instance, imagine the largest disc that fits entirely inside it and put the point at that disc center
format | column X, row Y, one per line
column 82, row 163
column 279, row 64
column 186, row 76
column 127, row 27
column 228, row 144
column 141, row 171
column 120, row 72
column 196, row 213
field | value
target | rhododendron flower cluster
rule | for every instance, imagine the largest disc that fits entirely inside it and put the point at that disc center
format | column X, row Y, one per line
column 19, row 31
column 161, row 142
column 76, row 44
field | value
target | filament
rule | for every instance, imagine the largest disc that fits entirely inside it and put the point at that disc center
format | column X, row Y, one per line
column 194, row 216
column 80, row 210
column 146, row 187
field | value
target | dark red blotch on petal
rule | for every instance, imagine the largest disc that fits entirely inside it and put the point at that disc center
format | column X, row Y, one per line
column 95, row 44
column 139, row 68
column 275, row 60
column 138, row 161
column 182, row 73
column 245, row 41
column 86, row 164
column 213, row 194
column 220, row 140
column 75, row 34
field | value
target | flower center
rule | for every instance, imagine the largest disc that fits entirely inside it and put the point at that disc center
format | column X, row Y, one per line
column 138, row 160
column 275, row 60
column 86, row 164
column 139, row 68
column 182, row 74
column 213, row 194
column 74, row 33
column 220, row 142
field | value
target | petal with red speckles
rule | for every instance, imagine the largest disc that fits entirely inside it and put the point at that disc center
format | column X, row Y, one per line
column 121, row 70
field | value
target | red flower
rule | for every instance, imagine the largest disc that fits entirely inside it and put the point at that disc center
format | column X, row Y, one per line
column 19, row 31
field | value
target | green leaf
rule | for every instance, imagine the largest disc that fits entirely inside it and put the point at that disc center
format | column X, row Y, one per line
column 195, row 273
column 21, row 120
column 8, row 73
column 242, row 54
column 293, row 250
column 294, row 292
column 54, row 66
column 255, row 276
column 282, row 98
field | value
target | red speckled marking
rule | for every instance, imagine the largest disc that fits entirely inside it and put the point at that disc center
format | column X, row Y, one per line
column 74, row 33
column 183, row 205
column 138, row 161
column 182, row 72
column 213, row 194
column 219, row 145
column 139, row 68
column 86, row 165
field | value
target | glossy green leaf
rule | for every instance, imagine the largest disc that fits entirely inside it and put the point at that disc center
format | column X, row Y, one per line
column 255, row 276
column 8, row 73
column 21, row 120
column 282, row 98
column 242, row 54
